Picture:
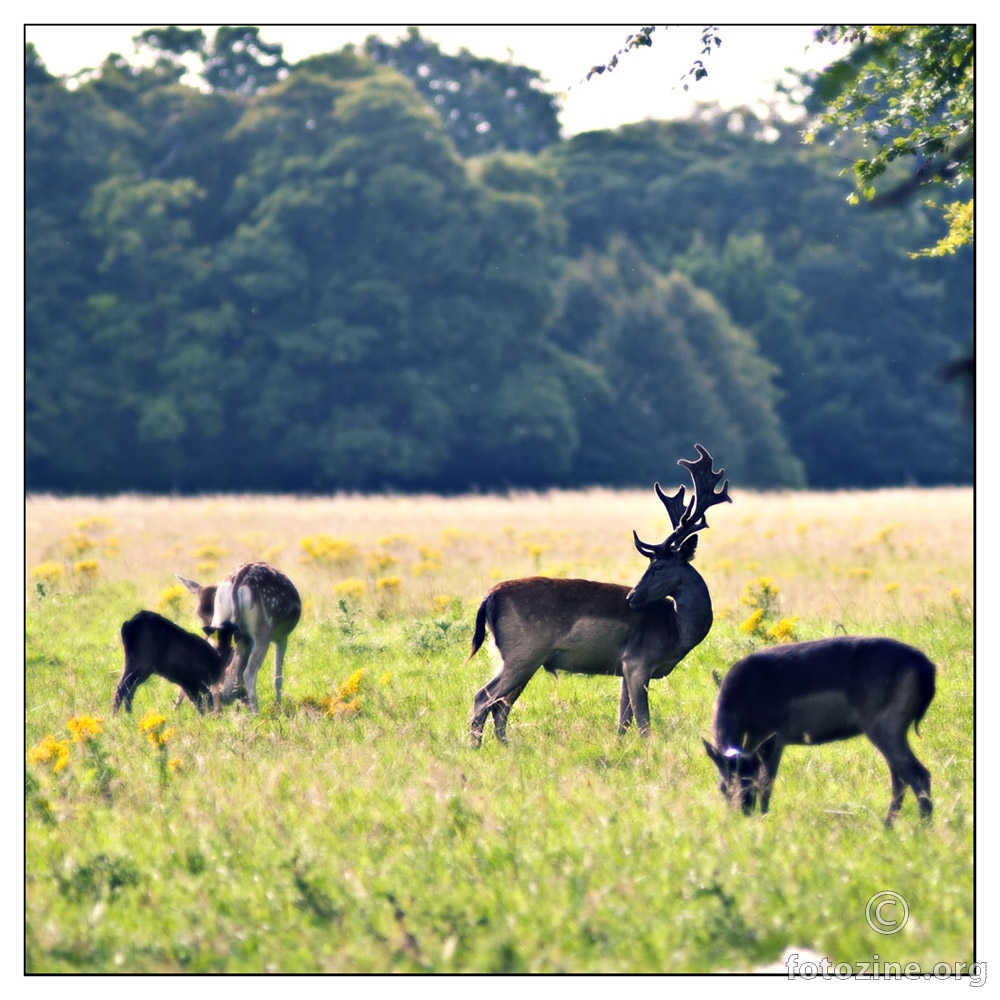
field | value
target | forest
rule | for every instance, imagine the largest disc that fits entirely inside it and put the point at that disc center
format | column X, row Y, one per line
column 384, row 269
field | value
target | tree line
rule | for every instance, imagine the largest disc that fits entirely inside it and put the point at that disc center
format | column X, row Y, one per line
column 381, row 268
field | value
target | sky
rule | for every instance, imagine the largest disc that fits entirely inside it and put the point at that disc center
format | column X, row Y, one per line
column 646, row 84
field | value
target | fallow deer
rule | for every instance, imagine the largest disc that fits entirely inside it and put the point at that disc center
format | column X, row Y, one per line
column 817, row 692
column 155, row 645
column 587, row 627
column 263, row 606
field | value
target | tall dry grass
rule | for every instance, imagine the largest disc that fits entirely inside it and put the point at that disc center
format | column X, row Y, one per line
column 834, row 557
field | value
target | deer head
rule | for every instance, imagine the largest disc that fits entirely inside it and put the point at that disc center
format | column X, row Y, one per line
column 668, row 561
column 740, row 771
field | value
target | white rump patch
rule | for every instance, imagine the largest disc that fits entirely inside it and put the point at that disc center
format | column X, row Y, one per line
column 224, row 611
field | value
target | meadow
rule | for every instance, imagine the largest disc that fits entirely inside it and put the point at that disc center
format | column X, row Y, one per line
column 353, row 828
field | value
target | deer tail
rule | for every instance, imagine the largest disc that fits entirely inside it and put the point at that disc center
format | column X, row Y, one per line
column 479, row 635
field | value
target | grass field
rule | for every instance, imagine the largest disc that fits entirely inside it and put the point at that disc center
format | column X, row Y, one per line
column 353, row 829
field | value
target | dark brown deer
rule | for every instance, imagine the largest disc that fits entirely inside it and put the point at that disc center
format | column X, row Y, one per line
column 586, row 627
column 155, row 645
column 263, row 606
column 817, row 692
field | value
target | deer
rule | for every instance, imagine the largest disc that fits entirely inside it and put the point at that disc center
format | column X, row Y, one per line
column 155, row 645
column 808, row 693
column 589, row 627
column 262, row 606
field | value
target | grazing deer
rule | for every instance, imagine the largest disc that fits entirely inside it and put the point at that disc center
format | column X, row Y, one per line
column 263, row 606
column 586, row 627
column 155, row 645
column 817, row 692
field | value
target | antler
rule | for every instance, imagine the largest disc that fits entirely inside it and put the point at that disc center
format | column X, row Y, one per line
column 689, row 518
column 705, row 495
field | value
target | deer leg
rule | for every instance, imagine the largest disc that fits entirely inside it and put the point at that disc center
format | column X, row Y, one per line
column 910, row 772
column 481, row 708
column 904, row 769
column 769, row 761
column 918, row 778
column 898, row 791
column 923, row 795
column 229, row 687
column 279, row 656
column 624, row 709
column 257, row 654
column 501, row 709
column 489, row 698
column 124, row 691
column 637, row 684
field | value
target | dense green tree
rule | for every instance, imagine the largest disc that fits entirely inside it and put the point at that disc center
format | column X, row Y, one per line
column 239, row 60
column 303, row 285
column 908, row 93
column 73, row 142
column 827, row 293
column 677, row 371
column 380, row 284
column 486, row 105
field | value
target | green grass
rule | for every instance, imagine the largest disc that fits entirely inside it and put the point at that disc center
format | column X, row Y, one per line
column 380, row 841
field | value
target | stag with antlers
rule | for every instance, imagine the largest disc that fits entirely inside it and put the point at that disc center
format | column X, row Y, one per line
column 587, row 627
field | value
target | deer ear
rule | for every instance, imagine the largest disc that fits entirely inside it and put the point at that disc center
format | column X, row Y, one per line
column 714, row 755
column 688, row 548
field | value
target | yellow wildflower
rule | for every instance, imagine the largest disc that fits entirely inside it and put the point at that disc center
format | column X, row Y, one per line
column 380, row 560
column 152, row 725
column 353, row 587
column 752, row 625
column 76, row 544
column 328, row 549
column 350, row 687
column 763, row 586
column 151, row 720
column 388, row 584
column 783, row 631
column 209, row 551
column 86, row 568
column 170, row 600
column 84, row 727
column 48, row 572
column 50, row 750
column 95, row 523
